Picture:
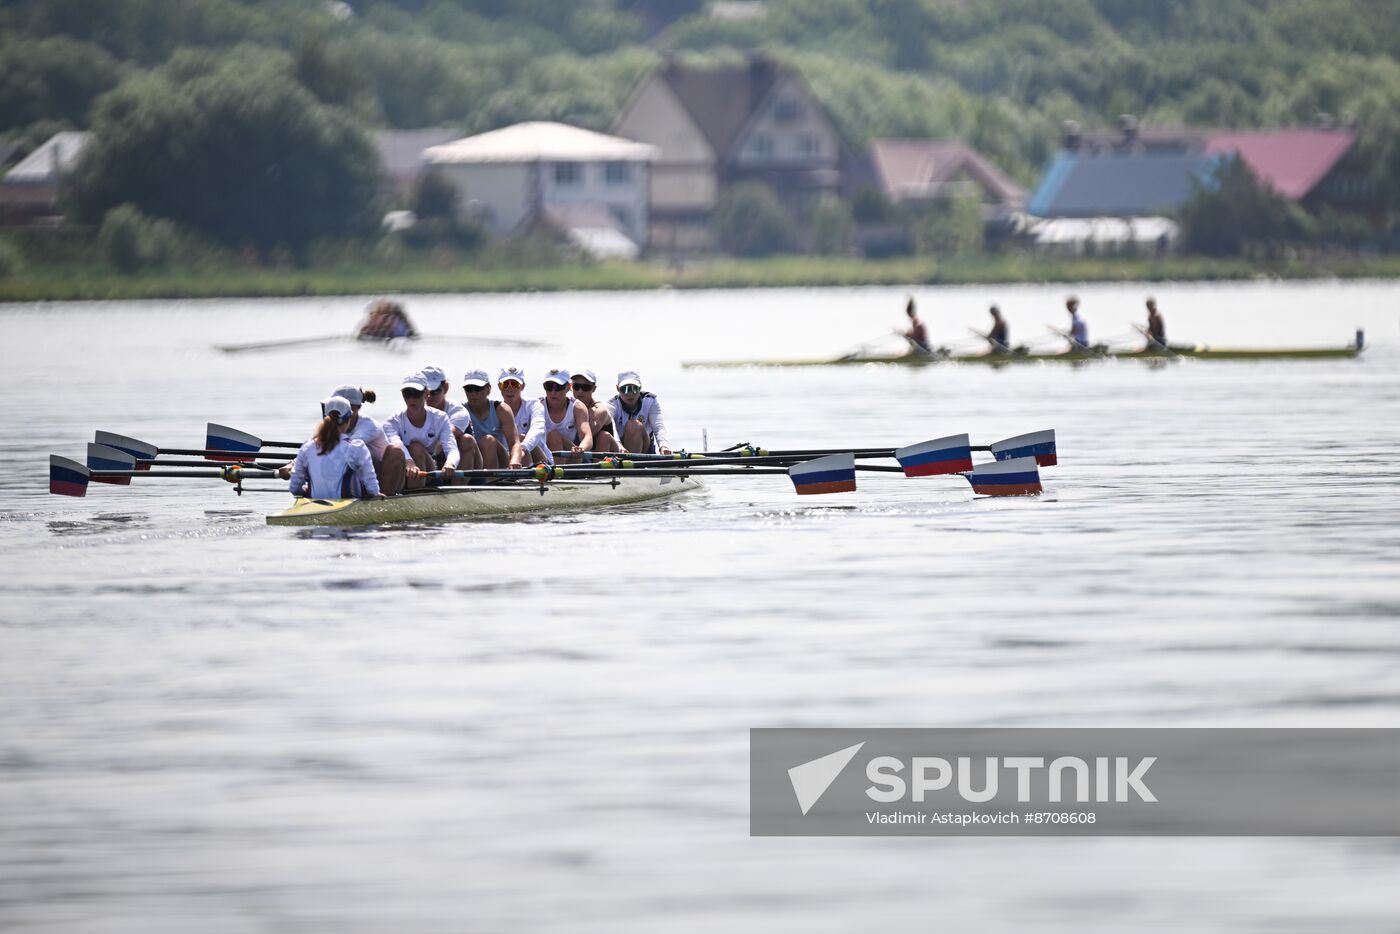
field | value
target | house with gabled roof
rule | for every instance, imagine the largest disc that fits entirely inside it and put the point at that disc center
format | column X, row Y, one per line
column 920, row 170
column 716, row 126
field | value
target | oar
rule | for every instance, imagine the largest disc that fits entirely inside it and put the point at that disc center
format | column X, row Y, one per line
column 277, row 345
column 146, row 453
column 104, row 459
column 68, row 477
column 222, row 438
column 1153, row 343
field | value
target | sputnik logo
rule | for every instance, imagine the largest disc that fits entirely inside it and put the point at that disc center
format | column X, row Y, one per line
column 810, row 780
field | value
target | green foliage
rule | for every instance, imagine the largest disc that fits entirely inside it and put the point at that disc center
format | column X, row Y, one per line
column 434, row 196
column 833, row 227
column 132, row 242
column 239, row 155
column 11, row 259
column 749, row 221
column 950, row 227
column 54, row 79
column 1233, row 212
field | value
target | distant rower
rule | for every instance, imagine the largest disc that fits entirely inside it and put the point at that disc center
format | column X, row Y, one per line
column 1156, row 328
column 917, row 334
column 999, row 336
column 1078, row 331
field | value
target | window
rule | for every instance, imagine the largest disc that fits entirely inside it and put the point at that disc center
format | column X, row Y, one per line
column 787, row 110
column 568, row 173
column 762, row 144
column 618, row 173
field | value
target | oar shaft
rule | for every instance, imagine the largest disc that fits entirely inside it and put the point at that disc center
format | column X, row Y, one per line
column 215, row 452
column 169, row 474
column 161, row 462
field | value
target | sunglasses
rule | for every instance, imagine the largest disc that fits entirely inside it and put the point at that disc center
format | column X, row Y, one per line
column 477, row 388
column 554, row 387
column 413, row 393
column 585, row 387
column 439, row 390
column 630, row 390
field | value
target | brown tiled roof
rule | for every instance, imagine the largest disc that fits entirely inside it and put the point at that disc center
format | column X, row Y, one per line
column 721, row 100
column 911, row 168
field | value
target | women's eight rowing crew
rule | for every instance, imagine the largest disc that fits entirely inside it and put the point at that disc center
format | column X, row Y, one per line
column 351, row 455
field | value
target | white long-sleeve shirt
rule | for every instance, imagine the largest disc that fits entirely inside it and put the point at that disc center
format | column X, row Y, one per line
column 435, row 434
column 529, row 427
column 648, row 413
column 325, row 473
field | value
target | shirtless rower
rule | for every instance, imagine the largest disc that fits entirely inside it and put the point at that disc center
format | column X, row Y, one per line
column 529, row 417
column 999, row 335
column 423, row 434
column 436, row 381
column 638, row 415
column 605, row 439
column 917, row 334
column 567, row 424
column 1156, row 332
column 492, row 424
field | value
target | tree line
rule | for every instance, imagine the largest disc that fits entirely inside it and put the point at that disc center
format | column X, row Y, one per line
column 206, row 109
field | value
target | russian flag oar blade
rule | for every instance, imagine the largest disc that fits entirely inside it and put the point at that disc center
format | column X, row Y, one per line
column 67, row 477
column 833, row 474
column 101, row 457
column 240, row 445
column 1016, row 477
column 1037, row 444
column 137, row 449
column 952, row 454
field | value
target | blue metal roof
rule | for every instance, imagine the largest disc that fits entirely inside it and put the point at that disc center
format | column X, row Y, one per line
column 1078, row 184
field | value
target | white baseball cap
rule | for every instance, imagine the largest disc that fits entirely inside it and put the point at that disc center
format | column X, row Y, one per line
column 629, row 378
column 351, row 394
column 433, row 377
column 586, row 374
column 414, row 381
column 476, row 378
column 512, row 372
column 557, row 376
column 337, row 407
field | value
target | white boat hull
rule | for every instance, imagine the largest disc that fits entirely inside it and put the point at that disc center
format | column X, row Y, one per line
column 483, row 501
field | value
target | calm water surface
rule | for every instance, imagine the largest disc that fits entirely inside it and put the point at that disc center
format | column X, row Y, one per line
column 542, row 724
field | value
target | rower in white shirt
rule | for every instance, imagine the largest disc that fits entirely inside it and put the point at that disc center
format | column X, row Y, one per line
column 566, row 420
column 332, row 465
column 436, row 381
column 423, row 434
column 529, row 417
column 637, row 415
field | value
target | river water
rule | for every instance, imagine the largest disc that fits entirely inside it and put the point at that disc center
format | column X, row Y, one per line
column 541, row 724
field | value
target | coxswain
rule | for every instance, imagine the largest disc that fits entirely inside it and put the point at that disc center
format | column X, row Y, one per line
column 1078, row 334
column 917, row 334
column 1156, row 332
column 567, row 423
column 999, row 336
column 422, row 433
column 605, row 434
column 492, row 424
column 388, row 460
column 638, row 415
column 331, row 465
column 529, row 418
column 436, row 381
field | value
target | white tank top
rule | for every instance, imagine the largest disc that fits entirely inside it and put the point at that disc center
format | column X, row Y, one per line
column 368, row 431
column 567, row 426
column 326, row 472
column 435, row 434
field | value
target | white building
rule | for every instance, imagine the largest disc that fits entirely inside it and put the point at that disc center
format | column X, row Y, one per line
column 538, row 173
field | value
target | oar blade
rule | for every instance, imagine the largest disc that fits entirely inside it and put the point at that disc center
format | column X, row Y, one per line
column 136, row 448
column 835, row 473
column 67, row 477
column 1037, row 444
column 101, row 457
column 952, row 454
column 1018, row 476
column 241, row 446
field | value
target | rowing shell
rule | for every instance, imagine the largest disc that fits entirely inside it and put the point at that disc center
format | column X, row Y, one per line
column 1195, row 352
column 482, row 501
